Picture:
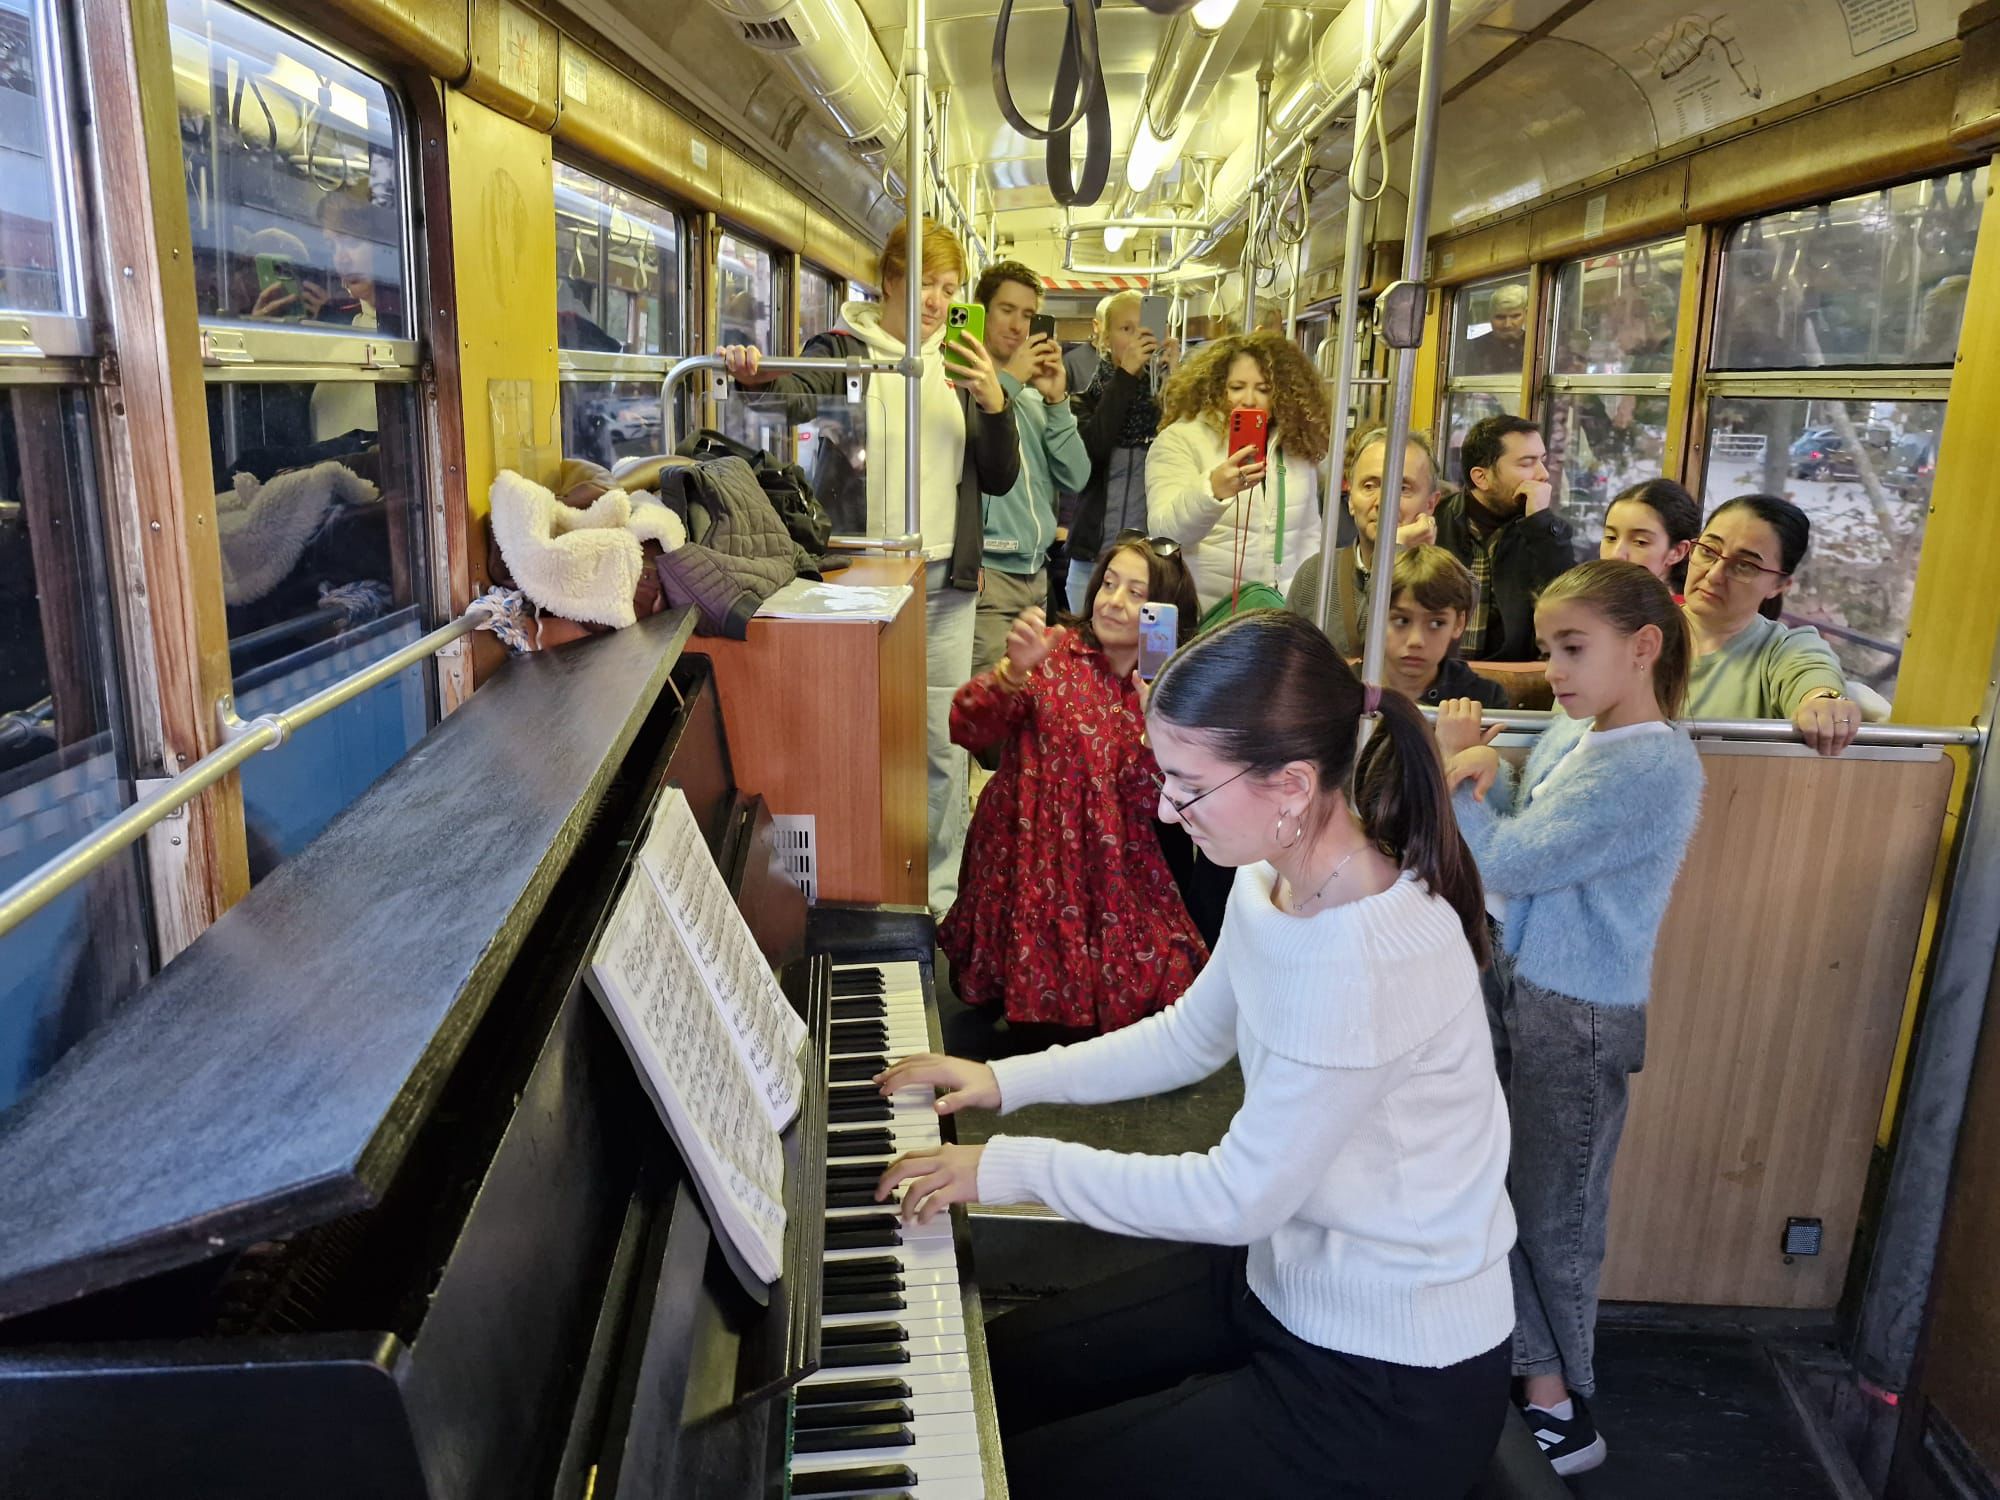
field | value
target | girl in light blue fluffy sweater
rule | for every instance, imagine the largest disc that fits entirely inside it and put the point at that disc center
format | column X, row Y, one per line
column 1578, row 855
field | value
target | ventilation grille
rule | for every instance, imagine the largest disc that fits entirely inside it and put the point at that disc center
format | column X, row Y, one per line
column 798, row 850
column 780, row 35
column 867, row 143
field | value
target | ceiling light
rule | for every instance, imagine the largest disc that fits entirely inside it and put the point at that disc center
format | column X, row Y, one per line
column 1213, row 15
column 1115, row 238
column 1293, row 110
column 1146, row 157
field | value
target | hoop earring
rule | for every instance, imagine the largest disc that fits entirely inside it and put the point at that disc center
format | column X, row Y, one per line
column 1278, row 831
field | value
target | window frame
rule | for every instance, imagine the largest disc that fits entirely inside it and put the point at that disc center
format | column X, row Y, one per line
column 237, row 351
column 784, row 319
column 583, row 367
column 1508, row 386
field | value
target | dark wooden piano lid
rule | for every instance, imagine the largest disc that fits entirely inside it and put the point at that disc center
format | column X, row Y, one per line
column 272, row 1075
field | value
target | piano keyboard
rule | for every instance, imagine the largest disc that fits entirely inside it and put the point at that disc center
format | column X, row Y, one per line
column 891, row 1412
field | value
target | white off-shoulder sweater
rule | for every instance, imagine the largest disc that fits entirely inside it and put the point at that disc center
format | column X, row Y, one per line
column 1366, row 1170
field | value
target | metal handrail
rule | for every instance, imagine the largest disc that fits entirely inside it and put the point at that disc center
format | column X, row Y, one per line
column 1764, row 731
column 242, row 740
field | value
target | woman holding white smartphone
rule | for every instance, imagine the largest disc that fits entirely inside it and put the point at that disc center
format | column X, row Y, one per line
column 1068, row 919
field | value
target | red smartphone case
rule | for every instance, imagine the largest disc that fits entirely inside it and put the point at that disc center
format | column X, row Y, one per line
column 1249, row 429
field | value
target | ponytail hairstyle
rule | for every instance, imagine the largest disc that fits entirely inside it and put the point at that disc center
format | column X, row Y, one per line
column 1627, row 597
column 1793, row 530
column 1679, row 517
column 1307, row 705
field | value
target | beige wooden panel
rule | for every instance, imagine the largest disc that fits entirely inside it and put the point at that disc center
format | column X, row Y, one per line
column 1776, row 993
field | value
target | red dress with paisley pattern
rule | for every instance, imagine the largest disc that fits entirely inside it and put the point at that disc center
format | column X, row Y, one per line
column 1066, row 911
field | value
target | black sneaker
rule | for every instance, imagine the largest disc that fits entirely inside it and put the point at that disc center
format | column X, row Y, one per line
column 1571, row 1447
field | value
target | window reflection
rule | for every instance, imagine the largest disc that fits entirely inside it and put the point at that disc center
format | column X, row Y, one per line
column 1490, row 329
column 294, row 176
column 322, row 573
column 1876, row 279
column 823, row 297
column 1862, row 470
column 618, row 269
column 1616, row 314
column 750, row 310
column 63, row 767
column 1598, row 444
column 1462, row 409
column 608, row 420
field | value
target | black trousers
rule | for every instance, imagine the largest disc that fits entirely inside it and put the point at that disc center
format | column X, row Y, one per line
column 1174, row 1380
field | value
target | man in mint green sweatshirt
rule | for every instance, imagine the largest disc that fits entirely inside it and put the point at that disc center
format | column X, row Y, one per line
column 1020, row 526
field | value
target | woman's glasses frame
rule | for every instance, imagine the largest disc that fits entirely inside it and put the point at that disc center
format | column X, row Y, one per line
column 1162, row 546
column 1741, row 568
column 1181, row 808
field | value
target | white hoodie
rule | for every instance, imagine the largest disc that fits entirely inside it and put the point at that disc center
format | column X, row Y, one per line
column 1179, row 504
column 943, row 437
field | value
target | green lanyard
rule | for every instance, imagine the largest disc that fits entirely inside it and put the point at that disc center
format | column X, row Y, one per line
column 1278, row 558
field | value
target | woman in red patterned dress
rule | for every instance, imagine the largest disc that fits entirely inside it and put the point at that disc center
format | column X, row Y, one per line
column 1067, row 915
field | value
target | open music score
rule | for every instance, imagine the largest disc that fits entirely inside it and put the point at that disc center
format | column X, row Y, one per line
column 713, row 1039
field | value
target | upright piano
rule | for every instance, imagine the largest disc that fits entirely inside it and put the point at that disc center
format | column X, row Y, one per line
column 361, row 1197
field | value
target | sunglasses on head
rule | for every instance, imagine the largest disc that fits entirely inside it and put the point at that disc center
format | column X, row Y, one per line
column 1161, row 546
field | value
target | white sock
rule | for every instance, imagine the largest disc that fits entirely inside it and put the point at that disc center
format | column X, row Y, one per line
column 1563, row 1412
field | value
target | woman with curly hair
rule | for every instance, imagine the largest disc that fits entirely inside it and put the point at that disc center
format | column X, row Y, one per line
column 1240, row 522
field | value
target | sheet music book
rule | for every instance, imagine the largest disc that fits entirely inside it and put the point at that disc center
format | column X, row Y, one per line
column 648, row 978
column 767, row 1031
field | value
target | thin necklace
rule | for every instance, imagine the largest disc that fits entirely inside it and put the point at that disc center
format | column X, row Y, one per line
column 1297, row 906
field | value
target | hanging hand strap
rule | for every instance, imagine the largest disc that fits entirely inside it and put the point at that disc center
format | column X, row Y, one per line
column 1079, row 96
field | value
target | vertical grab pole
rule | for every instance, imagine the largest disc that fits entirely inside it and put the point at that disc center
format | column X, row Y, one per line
column 1350, row 312
column 1423, row 158
column 916, row 89
column 1265, row 75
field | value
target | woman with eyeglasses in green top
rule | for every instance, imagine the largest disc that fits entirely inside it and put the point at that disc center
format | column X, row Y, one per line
column 1748, row 664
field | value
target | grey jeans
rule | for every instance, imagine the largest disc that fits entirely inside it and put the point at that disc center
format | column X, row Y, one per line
column 1566, row 1067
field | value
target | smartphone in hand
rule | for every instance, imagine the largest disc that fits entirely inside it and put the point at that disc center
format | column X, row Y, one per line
column 964, row 323
column 1159, row 637
column 1042, row 325
column 277, row 270
column 1249, row 428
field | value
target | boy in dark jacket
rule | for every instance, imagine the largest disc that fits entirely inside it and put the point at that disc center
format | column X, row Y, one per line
column 1433, row 598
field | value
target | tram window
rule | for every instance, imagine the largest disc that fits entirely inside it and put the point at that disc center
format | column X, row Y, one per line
column 34, row 241
column 1490, row 328
column 750, row 310
column 1461, row 410
column 322, row 568
column 620, row 318
column 1862, row 470
column 822, row 295
column 1615, row 314
column 618, row 269
column 295, row 191
column 294, row 167
column 1611, row 356
column 64, row 766
column 608, row 420
column 1877, row 279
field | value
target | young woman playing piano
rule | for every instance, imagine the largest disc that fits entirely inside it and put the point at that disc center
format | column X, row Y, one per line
column 1338, row 1324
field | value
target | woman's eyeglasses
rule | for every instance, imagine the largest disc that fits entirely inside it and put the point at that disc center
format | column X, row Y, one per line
column 1739, row 568
column 1162, row 546
column 1180, row 808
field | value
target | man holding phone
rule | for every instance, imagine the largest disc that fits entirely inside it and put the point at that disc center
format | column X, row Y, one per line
column 1020, row 525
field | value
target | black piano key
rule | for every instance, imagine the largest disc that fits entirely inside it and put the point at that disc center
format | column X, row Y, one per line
column 858, row 1111
column 832, row 1392
column 858, row 1195
column 861, row 1239
column 882, row 1220
column 868, row 1478
column 859, row 1143
column 868, row 983
column 859, row 1300
column 855, row 1286
column 856, row 1069
column 850, row 1041
column 861, row 1266
column 852, row 1414
column 848, row 1356
column 840, row 1439
column 863, row 1333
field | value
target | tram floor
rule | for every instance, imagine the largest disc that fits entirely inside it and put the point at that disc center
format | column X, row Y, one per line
column 1690, row 1400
